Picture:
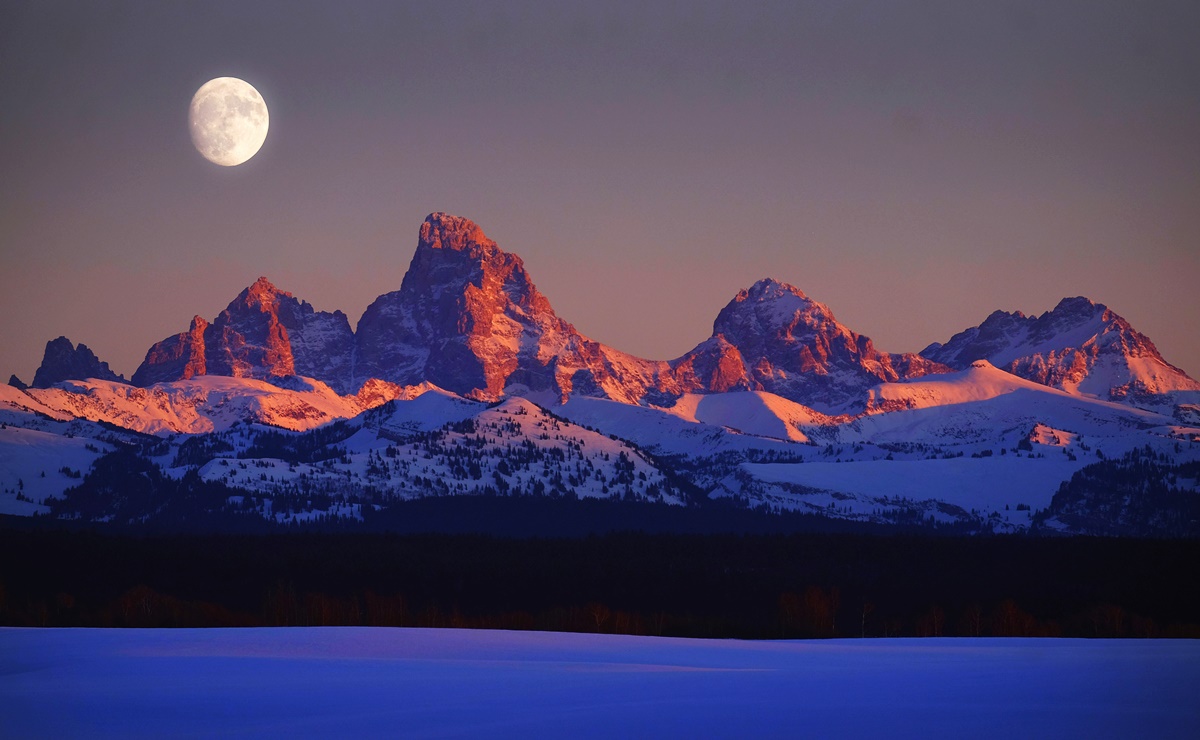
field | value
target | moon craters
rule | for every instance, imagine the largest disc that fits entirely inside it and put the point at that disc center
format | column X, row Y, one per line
column 228, row 121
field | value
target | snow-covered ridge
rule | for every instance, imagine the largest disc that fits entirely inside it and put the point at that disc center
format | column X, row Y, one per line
column 964, row 439
column 979, row 382
column 751, row 412
column 466, row 382
column 432, row 446
column 204, row 403
column 984, row 404
column 1080, row 346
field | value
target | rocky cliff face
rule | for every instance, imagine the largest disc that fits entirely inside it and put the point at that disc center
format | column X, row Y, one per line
column 714, row 365
column 469, row 319
column 1079, row 346
column 65, row 361
column 175, row 358
column 774, row 338
column 264, row 333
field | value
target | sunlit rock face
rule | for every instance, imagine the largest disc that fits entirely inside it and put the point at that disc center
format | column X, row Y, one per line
column 249, row 338
column 263, row 333
column 1079, row 346
column 714, row 365
column 468, row 318
column 175, row 358
column 65, row 361
column 772, row 337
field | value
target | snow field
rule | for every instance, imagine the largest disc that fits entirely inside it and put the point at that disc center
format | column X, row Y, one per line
column 321, row 682
column 201, row 404
column 429, row 442
column 512, row 449
column 987, row 484
column 31, row 467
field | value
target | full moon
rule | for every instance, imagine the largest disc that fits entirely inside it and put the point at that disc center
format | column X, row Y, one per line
column 228, row 120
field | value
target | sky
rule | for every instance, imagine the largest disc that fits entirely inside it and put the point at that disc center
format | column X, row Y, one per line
column 913, row 165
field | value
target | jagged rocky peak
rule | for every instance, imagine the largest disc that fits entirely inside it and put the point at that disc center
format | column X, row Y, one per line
column 994, row 334
column 454, row 253
column 455, row 233
column 456, row 263
column 770, row 308
column 65, row 361
column 250, row 337
column 175, row 358
column 1071, row 313
column 773, row 337
column 468, row 318
column 264, row 332
column 1002, row 333
column 770, row 289
column 1079, row 346
column 1078, row 305
column 261, row 294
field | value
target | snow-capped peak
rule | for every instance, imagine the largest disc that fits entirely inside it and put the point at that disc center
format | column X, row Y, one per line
column 264, row 332
column 1080, row 346
column 772, row 337
column 468, row 318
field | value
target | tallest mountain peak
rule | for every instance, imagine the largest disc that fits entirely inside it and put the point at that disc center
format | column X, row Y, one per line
column 464, row 311
column 263, row 291
column 263, row 285
column 445, row 231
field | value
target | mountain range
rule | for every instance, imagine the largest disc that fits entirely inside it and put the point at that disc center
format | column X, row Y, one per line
column 779, row 382
column 468, row 318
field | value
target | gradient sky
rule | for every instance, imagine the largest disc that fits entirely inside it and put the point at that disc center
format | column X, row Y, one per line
column 915, row 166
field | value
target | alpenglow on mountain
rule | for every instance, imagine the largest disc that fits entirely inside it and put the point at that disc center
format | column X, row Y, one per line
column 1080, row 346
column 263, row 333
column 468, row 318
column 464, row 382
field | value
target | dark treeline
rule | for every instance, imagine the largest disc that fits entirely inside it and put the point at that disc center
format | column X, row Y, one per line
column 1143, row 491
column 131, row 496
column 712, row 585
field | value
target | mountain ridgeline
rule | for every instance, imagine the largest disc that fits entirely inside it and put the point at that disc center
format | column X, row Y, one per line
column 1080, row 346
column 463, row 392
column 469, row 319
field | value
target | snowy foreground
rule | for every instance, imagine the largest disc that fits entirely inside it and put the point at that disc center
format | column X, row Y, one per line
column 326, row 682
